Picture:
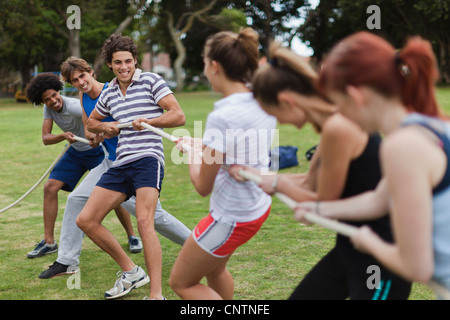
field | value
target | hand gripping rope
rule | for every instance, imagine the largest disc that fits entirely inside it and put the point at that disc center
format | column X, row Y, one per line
column 339, row 227
column 44, row 175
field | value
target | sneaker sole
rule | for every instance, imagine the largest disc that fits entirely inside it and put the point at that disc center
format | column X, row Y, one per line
column 138, row 284
column 64, row 273
column 60, row 274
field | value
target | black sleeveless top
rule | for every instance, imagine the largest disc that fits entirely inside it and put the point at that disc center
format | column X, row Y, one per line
column 364, row 174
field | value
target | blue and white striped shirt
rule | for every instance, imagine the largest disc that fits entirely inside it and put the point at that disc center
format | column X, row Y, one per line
column 141, row 101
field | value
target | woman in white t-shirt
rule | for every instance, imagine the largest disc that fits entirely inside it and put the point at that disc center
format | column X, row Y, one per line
column 237, row 132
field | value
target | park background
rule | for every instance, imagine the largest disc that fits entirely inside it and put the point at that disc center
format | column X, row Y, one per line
column 37, row 36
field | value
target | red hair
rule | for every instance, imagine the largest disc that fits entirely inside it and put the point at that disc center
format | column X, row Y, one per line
column 366, row 59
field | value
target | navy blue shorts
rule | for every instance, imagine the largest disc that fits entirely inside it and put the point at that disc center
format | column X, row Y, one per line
column 145, row 172
column 74, row 164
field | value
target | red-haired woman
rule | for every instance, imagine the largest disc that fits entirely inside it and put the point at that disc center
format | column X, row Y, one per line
column 393, row 92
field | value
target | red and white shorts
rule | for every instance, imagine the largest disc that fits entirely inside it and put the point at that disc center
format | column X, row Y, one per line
column 220, row 238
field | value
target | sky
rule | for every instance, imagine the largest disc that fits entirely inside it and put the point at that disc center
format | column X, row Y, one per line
column 297, row 45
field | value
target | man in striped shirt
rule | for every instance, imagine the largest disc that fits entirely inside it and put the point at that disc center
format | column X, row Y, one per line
column 133, row 96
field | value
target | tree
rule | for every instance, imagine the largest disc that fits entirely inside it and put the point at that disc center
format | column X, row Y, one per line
column 100, row 18
column 135, row 7
column 178, row 18
column 270, row 18
column 25, row 38
column 190, row 22
column 55, row 13
column 333, row 20
column 36, row 32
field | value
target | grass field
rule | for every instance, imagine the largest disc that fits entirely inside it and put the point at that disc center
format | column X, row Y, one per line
column 268, row 267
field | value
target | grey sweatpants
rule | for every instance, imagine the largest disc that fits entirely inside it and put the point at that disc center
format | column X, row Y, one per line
column 71, row 237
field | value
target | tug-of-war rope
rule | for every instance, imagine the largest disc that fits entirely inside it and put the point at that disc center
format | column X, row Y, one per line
column 339, row 227
column 44, row 175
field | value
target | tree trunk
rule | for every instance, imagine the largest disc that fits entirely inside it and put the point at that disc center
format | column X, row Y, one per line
column 442, row 58
column 25, row 72
column 74, row 42
column 181, row 56
column 175, row 34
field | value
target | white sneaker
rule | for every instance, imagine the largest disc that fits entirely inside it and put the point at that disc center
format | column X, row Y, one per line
column 127, row 281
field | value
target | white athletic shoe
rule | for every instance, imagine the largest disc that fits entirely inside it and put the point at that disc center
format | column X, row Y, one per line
column 127, row 281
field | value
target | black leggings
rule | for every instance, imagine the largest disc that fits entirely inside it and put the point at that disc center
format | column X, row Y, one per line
column 346, row 273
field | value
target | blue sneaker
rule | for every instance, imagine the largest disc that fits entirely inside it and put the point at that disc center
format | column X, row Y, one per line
column 42, row 249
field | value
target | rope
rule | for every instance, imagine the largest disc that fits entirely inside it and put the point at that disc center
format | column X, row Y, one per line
column 334, row 225
column 339, row 227
column 44, row 175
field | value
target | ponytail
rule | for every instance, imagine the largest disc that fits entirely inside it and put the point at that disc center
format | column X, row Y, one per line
column 417, row 65
column 248, row 40
column 237, row 53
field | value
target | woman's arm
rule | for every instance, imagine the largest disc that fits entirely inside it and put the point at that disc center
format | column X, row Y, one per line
column 204, row 164
column 412, row 167
column 341, row 142
column 365, row 206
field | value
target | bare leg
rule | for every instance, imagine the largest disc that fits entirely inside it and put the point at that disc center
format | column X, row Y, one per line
column 50, row 209
column 192, row 264
column 99, row 204
column 125, row 220
column 146, row 199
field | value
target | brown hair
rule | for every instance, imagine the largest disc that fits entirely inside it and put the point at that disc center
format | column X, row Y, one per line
column 285, row 71
column 237, row 53
column 117, row 42
column 71, row 65
column 367, row 59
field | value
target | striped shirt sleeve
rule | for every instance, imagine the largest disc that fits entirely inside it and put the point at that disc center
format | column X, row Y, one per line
column 101, row 106
column 159, row 88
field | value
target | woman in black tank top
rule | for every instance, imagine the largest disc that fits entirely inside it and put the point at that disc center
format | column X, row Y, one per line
column 345, row 272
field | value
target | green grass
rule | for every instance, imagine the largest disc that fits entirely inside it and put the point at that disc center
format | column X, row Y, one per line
column 268, row 267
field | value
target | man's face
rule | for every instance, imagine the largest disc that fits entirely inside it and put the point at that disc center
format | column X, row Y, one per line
column 82, row 80
column 123, row 66
column 53, row 100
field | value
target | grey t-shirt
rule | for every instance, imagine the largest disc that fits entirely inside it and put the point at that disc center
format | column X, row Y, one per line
column 69, row 119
